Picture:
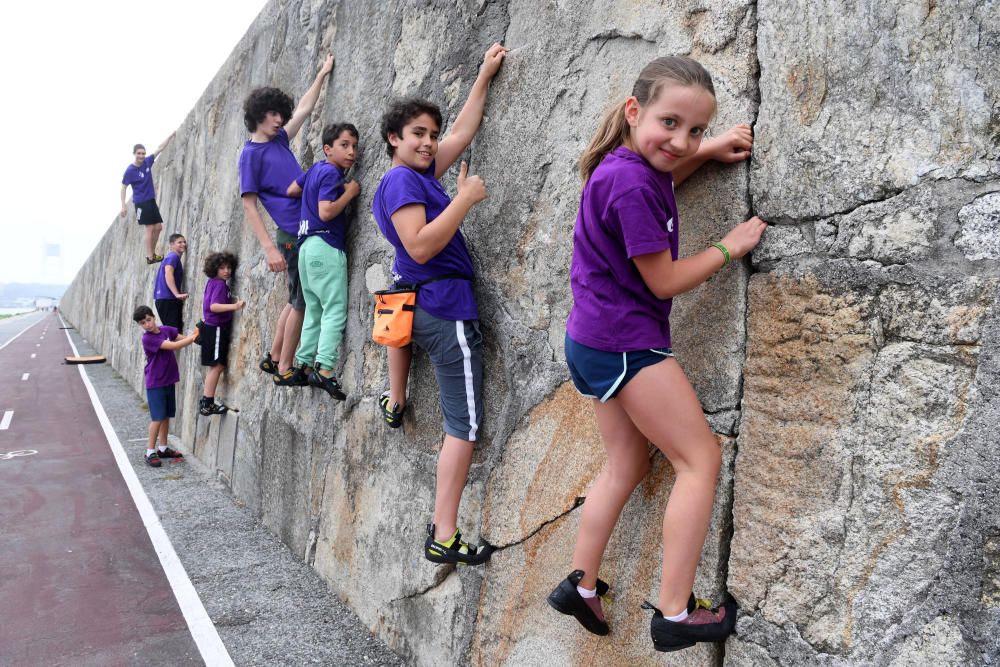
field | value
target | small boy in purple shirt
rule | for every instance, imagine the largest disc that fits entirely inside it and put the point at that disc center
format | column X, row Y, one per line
column 139, row 175
column 161, row 374
column 216, row 328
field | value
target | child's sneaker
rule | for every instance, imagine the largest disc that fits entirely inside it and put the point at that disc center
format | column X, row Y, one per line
column 293, row 377
column 153, row 459
column 327, row 384
column 209, row 407
column 454, row 550
column 268, row 365
column 393, row 416
column 169, row 453
column 704, row 623
column 566, row 599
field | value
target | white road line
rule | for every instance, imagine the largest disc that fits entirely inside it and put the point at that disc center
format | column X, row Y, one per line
column 213, row 651
column 18, row 334
column 32, row 355
column 138, row 439
column 25, row 377
column 38, row 344
column 5, row 422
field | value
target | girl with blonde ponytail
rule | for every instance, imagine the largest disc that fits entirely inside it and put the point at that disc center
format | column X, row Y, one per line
column 625, row 271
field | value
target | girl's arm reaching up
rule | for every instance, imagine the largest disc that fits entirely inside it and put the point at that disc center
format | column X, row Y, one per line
column 463, row 130
column 732, row 146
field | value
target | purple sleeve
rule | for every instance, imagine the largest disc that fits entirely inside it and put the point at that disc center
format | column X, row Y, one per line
column 301, row 180
column 642, row 218
column 125, row 178
column 213, row 293
column 249, row 181
column 171, row 332
column 330, row 185
column 151, row 344
column 402, row 187
column 149, row 160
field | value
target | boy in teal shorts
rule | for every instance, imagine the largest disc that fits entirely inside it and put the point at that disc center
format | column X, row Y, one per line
column 322, row 259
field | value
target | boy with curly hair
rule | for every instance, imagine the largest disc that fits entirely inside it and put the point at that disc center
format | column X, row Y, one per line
column 267, row 167
column 216, row 327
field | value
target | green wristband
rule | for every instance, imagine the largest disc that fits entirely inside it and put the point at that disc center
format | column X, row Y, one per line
column 724, row 251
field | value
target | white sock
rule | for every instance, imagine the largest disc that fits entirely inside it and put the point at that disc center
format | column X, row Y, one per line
column 149, row 451
column 586, row 592
column 678, row 618
column 162, row 448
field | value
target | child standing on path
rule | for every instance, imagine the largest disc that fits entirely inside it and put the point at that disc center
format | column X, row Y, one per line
column 625, row 271
column 139, row 175
column 168, row 290
column 216, row 328
column 161, row 374
column 322, row 258
column 267, row 166
column 421, row 222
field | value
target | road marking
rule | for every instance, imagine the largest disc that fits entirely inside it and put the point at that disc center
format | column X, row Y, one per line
column 5, row 422
column 32, row 355
column 205, row 635
column 38, row 344
column 25, row 377
column 18, row 334
column 18, row 452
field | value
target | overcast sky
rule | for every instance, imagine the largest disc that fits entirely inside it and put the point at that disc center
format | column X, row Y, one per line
column 83, row 82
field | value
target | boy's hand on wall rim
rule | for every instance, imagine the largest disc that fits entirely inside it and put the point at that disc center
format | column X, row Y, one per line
column 471, row 187
column 493, row 60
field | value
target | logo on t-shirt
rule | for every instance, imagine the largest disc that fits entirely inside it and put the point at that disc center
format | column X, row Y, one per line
column 670, row 224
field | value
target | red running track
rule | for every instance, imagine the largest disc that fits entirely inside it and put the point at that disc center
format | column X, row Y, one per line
column 81, row 582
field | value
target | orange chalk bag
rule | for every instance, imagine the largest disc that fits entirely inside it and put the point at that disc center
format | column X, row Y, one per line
column 394, row 310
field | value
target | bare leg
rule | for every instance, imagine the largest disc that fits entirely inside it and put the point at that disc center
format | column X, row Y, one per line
column 149, row 241
column 279, row 333
column 628, row 463
column 154, row 430
column 164, row 430
column 399, row 373
column 452, row 472
column 212, row 379
column 157, row 229
column 677, row 426
column 290, row 339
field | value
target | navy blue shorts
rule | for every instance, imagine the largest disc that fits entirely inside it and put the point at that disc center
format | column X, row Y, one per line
column 601, row 375
column 161, row 402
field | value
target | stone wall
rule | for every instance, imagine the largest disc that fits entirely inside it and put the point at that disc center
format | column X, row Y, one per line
column 850, row 369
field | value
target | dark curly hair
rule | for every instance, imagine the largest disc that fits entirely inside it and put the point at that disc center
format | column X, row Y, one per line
column 216, row 260
column 332, row 131
column 141, row 313
column 262, row 100
column 401, row 112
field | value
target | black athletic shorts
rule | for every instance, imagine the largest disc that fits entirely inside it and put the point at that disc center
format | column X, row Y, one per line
column 171, row 312
column 147, row 212
column 215, row 344
column 288, row 245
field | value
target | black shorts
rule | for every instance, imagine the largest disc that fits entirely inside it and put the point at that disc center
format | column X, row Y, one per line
column 147, row 212
column 171, row 312
column 215, row 344
column 288, row 245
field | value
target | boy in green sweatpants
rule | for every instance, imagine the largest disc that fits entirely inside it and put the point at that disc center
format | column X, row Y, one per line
column 322, row 258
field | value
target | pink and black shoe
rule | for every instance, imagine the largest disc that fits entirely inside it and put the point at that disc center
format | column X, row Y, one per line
column 567, row 600
column 704, row 623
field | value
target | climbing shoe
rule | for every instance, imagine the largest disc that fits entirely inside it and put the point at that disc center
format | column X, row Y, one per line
column 327, row 384
column 704, row 623
column 296, row 376
column 567, row 600
column 268, row 365
column 454, row 550
column 153, row 460
column 210, row 407
column 154, row 259
column 393, row 416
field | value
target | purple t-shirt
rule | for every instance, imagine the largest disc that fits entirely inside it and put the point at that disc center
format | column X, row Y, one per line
column 160, row 289
column 323, row 182
column 161, row 365
column 627, row 209
column 267, row 169
column 449, row 299
column 141, row 180
column 216, row 291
